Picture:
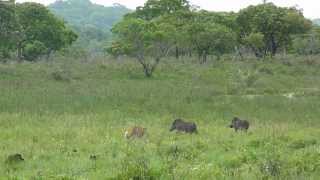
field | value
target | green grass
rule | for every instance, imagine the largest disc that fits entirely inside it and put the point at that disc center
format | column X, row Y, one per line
column 58, row 114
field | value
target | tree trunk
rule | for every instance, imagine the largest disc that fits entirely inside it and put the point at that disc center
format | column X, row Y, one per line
column 147, row 72
column 19, row 51
column 273, row 46
column 203, row 57
column 177, row 52
column 218, row 57
column 48, row 54
column 238, row 52
column 149, row 68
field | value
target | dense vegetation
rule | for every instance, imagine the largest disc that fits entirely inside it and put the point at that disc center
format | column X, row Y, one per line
column 30, row 30
column 174, row 28
column 92, row 22
column 66, row 115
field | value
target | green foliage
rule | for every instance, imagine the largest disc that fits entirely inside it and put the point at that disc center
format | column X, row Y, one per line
column 255, row 41
column 30, row 29
column 92, row 22
column 137, row 167
column 264, row 29
column 152, row 31
column 276, row 24
column 308, row 44
column 7, row 28
column 39, row 24
column 147, row 41
column 156, row 8
column 209, row 38
column 33, row 50
column 116, row 49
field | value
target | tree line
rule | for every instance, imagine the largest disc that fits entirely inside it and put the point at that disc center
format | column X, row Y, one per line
column 163, row 28
column 30, row 30
column 175, row 28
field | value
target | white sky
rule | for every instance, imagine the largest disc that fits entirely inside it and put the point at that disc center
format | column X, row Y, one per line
column 311, row 8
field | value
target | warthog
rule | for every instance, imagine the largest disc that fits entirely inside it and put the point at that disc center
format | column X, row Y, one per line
column 187, row 127
column 239, row 124
column 134, row 132
column 14, row 158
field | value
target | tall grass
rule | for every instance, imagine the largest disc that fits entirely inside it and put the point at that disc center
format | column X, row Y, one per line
column 61, row 114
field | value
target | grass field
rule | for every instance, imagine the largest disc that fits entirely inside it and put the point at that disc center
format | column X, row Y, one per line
column 58, row 114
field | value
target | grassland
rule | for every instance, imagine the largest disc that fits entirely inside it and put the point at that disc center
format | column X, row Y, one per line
column 58, row 114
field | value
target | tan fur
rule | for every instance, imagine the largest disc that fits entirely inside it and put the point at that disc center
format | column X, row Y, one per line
column 134, row 132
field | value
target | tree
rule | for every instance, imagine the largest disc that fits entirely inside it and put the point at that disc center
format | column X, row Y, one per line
column 170, row 10
column 178, row 21
column 207, row 35
column 155, row 8
column 255, row 42
column 39, row 26
column 149, row 33
column 307, row 44
column 147, row 41
column 209, row 39
column 7, row 27
column 276, row 24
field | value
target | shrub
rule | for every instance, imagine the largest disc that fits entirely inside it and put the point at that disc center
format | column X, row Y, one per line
column 34, row 50
column 137, row 168
column 61, row 75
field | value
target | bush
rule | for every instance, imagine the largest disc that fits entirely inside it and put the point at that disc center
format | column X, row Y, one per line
column 61, row 75
column 306, row 45
column 137, row 168
column 34, row 50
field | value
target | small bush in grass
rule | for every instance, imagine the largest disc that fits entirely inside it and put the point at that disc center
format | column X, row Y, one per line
column 266, row 70
column 251, row 79
column 137, row 168
column 103, row 66
column 300, row 144
column 310, row 61
column 270, row 91
column 61, row 75
column 287, row 63
column 270, row 167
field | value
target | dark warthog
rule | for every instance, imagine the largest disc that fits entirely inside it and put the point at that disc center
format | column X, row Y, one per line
column 239, row 124
column 187, row 127
column 14, row 158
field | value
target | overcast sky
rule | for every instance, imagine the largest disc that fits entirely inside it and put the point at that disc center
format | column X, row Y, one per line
column 311, row 8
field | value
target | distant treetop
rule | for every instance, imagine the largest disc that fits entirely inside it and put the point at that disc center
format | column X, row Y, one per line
column 91, row 21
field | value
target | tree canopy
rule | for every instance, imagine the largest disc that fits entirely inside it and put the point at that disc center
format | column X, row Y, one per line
column 33, row 30
column 8, row 27
column 157, row 29
column 275, row 25
column 264, row 29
